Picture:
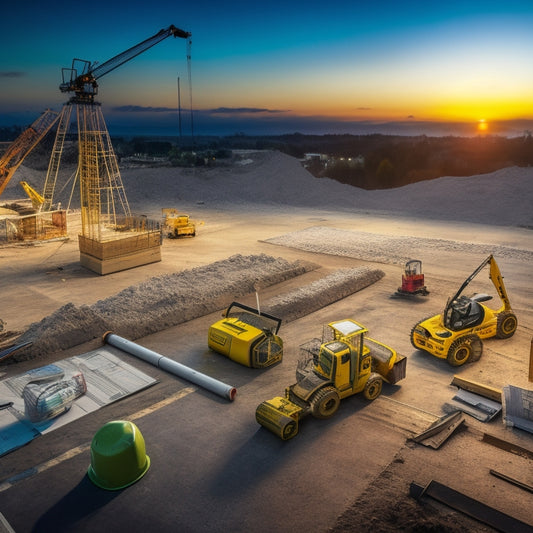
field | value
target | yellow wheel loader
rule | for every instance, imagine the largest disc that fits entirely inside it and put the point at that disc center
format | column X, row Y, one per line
column 247, row 336
column 343, row 363
column 177, row 225
column 455, row 335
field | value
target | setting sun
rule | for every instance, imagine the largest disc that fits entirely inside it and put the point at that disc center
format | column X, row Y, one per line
column 482, row 126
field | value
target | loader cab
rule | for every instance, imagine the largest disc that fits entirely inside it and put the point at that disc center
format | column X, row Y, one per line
column 346, row 358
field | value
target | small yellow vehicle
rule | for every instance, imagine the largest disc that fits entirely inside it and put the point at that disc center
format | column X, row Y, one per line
column 455, row 335
column 247, row 337
column 342, row 364
column 176, row 224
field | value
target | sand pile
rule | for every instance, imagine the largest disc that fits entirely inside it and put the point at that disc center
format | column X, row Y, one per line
column 386, row 249
column 269, row 179
column 322, row 292
column 165, row 301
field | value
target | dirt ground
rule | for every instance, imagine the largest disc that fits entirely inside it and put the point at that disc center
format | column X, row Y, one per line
column 280, row 250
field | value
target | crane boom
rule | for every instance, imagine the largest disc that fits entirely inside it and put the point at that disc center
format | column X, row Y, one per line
column 24, row 144
column 85, row 86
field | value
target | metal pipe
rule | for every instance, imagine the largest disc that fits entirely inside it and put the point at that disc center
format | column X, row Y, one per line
column 169, row 365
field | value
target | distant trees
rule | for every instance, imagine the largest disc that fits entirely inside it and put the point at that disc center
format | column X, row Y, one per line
column 386, row 160
column 392, row 161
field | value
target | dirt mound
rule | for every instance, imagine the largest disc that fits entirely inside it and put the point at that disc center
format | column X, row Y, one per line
column 158, row 303
column 322, row 292
column 166, row 301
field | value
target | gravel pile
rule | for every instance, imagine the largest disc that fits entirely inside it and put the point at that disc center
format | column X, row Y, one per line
column 166, row 301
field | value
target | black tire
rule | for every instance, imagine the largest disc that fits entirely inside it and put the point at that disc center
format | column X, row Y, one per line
column 506, row 325
column 373, row 388
column 325, row 403
column 464, row 349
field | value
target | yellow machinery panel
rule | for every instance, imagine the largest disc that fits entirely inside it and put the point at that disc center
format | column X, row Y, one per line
column 247, row 337
column 280, row 416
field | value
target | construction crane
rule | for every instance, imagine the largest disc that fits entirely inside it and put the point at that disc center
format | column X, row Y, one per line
column 102, row 194
column 84, row 84
column 23, row 145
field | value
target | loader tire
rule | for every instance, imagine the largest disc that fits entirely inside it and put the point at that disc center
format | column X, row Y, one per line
column 325, row 403
column 373, row 388
column 506, row 325
column 464, row 349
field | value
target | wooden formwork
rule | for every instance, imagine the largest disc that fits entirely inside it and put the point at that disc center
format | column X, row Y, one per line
column 34, row 227
column 121, row 253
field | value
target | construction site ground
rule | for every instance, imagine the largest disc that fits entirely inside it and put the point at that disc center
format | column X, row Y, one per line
column 213, row 468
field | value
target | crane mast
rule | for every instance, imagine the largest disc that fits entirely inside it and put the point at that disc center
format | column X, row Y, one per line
column 104, row 205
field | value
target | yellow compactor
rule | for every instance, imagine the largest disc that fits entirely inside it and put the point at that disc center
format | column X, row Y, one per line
column 343, row 363
column 247, row 336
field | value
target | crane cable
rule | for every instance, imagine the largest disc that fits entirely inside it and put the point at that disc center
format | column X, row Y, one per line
column 189, row 80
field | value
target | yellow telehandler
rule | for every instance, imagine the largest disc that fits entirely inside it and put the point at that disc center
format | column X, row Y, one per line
column 455, row 335
column 344, row 362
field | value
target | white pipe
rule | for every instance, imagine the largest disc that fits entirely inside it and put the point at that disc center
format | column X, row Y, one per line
column 169, row 365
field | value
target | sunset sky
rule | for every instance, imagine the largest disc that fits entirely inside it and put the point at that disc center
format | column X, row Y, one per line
column 281, row 67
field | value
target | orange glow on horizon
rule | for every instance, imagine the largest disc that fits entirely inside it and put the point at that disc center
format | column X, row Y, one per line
column 482, row 126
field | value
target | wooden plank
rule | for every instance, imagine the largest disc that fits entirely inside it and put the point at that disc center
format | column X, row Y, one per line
column 470, row 507
column 531, row 361
column 507, row 446
column 478, row 388
column 509, row 479
column 440, row 431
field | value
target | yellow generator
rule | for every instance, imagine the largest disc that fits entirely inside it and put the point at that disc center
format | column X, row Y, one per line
column 345, row 362
column 247, row 336
column 176, row 224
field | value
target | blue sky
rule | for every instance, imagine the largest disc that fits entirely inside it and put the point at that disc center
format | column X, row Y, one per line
column 281, row 67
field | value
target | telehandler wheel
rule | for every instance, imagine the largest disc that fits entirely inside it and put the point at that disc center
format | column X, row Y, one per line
column 325, row 402
column 463, row 349
column 506, row 325
column 373, row 388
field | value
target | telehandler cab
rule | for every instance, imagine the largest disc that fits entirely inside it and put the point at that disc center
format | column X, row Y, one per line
column 456, row 334
column 342, row 364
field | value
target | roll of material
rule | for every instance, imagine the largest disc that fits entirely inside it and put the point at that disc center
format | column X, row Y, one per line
column 171, row 366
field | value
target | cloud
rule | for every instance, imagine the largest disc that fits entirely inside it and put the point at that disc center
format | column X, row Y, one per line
column 143, row 109
column 363, row 108
column 12, row 74
column 244, row 110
